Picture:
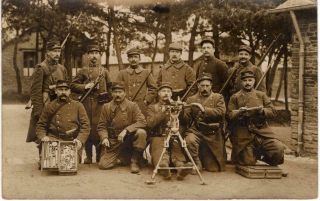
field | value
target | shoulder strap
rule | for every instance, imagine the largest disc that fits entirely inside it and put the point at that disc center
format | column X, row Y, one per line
column 55, row 111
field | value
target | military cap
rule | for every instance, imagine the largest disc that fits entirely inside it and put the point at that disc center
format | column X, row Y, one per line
column 205, row 76
column 62, row 83
column 175, row 46
column 118, row 85
column 246, row 74
column 245, row 48
column 134, row 51
column 93, row 47
column 165, row 85
column 53, row 44
column 207, row 39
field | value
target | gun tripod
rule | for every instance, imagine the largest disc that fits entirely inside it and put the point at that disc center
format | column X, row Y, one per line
column 183, row 144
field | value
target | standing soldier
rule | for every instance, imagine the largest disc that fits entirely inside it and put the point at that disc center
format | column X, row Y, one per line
column 204, row 136
column 121, row 131
column 157, row 122
column 244, row 64
column 179, row 74
column 64, row 119
column 208, row 63
column 139, row 82
column 84, row 81
column 252, row 137
column 43, row 83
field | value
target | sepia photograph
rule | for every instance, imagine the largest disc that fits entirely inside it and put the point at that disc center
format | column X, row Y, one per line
column 159, row 99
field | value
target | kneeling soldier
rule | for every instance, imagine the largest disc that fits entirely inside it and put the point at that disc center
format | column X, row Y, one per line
column 121, row 131
column 64, row 119
column 252, row 138
column 157, row 120
column 204, row 136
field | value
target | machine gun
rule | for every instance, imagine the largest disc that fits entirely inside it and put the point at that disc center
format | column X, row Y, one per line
column 174, row 109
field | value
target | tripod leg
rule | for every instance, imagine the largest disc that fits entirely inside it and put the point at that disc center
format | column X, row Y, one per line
column 155, row 171
column 183, row 142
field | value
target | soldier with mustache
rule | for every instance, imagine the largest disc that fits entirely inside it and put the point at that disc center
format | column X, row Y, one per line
column 252, row 138
column 176, row 72
column 43, row 82
column 84, row 81
column 244, row 64
column 204, row 134
column 62, row 115
column 208, row 63
column 121, row 130
column 133, row 78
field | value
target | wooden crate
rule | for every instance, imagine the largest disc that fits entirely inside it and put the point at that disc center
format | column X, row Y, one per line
column 259, row 171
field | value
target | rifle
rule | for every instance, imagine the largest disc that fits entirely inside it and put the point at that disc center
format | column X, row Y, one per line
column 188, row 90
column 96, row 82
column 134, row 97
column 260, row 62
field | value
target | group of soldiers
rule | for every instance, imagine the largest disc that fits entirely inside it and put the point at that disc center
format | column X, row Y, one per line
column 122, row 118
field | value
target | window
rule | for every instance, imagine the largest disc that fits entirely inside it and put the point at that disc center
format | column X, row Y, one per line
column 29, row 61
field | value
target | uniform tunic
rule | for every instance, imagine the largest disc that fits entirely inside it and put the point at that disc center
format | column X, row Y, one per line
column 44, row 75
column 236, row 79
column 249, row 134
column 217, row 68
column 180, row 76
column 133, row 79
column 210, row 147
column 157, row 120
column 70, row 116
column 113, row 120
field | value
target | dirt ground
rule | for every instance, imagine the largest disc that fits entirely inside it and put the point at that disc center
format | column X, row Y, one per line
column 22, row 180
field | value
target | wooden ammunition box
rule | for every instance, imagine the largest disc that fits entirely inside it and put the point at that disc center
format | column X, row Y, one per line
column 61, row 156
column 259, row 171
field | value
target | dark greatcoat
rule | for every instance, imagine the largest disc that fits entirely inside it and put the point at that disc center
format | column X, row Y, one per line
column 241, row 133
column 91, row 104
column 215, row 110
column 44, row 75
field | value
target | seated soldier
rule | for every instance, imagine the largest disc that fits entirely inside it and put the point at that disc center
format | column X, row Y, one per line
column 121, row 131
column 157, row 121
column 204, row 136
column 252, row 138
column 64, row 119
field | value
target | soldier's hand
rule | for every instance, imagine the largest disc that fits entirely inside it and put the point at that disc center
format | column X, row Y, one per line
column 45, row 139
column 89, row 85
column 260, row 110
column 106, row 142
column 78, row 143
column 122, row 135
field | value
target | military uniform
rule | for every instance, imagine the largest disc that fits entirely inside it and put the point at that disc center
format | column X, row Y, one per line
column 44, row 77
column 70, row 116
column 114, row 119
column 200, row 140
column 179, row 74
column 133, row 79
column 94, row 101
column 239, row 67
column 251, row 136
column 217, row 68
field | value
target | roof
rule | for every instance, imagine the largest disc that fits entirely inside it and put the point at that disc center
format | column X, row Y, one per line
column 294, row 5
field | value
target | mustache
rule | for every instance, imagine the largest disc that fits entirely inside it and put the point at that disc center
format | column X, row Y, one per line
column 247, row 85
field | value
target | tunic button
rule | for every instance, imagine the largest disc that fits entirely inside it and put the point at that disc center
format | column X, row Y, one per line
column 58, row 122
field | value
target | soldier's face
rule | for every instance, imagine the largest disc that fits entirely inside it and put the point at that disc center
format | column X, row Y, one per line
column 175, row 55
column 134, row 59
column 248, row 83
column 165, row 94
column 207, row 49
column 118, row 95
column 205, row 87
column 244, row 56
column 54, row 54
column 94, row 56
column 63, row 93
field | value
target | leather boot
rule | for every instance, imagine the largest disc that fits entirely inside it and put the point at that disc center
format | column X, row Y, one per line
column 134, row 166
column 182, row 173
column 87, row 160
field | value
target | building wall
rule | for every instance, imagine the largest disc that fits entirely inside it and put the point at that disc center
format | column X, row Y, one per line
column 307, row 20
